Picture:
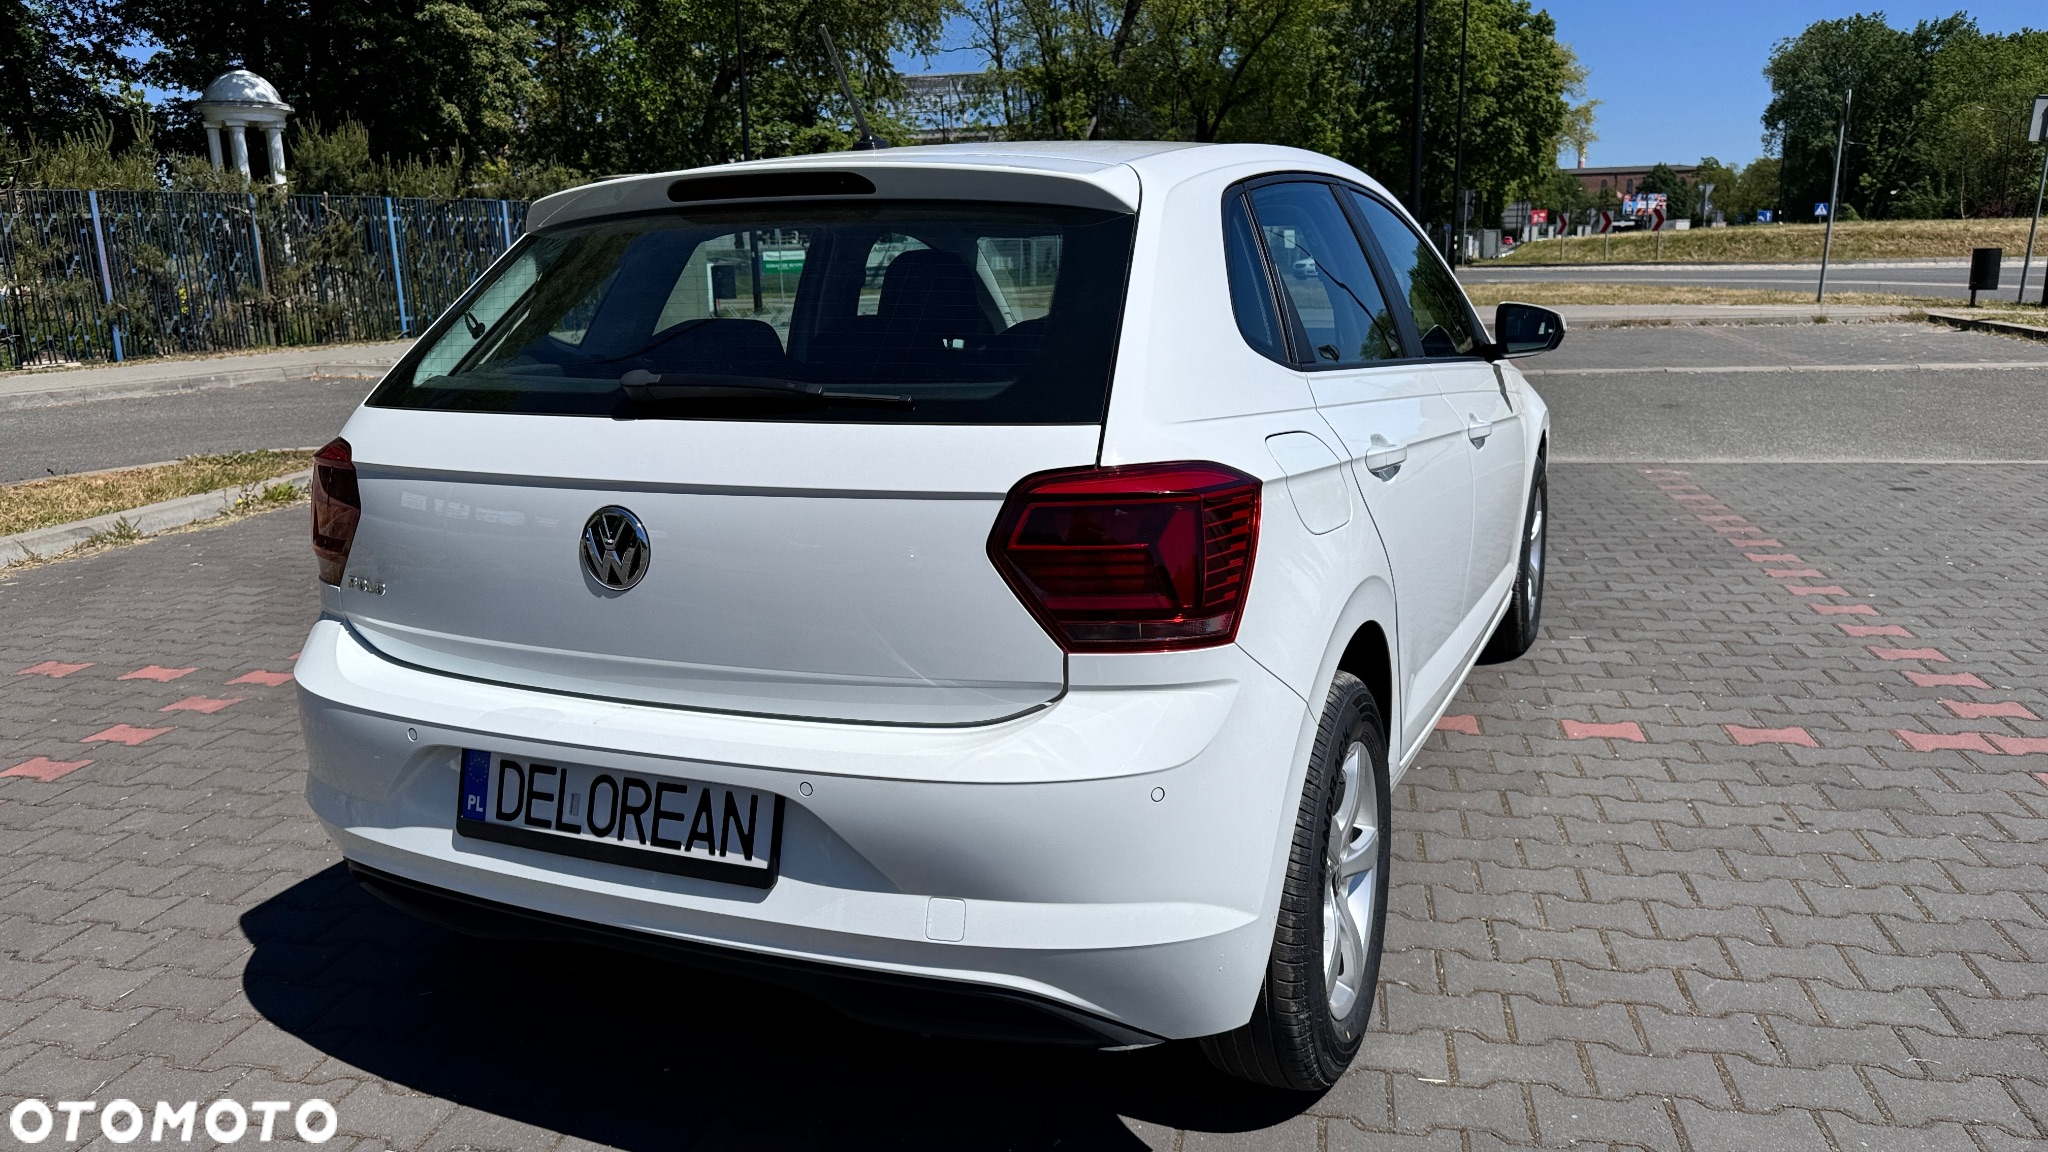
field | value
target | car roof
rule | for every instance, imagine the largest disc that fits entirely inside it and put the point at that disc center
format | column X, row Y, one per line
column 1105, row 174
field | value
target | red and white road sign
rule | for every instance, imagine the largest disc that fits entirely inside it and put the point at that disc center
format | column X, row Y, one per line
column 1606, row 222
column 1656, row 219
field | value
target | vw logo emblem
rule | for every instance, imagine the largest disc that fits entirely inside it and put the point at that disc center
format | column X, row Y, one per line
column 615, row 551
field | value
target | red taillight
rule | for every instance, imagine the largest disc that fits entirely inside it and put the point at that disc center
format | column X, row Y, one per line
column 337, row 506
column 1140, row 558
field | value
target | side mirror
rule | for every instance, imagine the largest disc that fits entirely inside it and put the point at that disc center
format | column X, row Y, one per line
column 1525, row 330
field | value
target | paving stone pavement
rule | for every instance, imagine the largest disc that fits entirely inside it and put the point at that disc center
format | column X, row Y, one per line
column 1748, row 854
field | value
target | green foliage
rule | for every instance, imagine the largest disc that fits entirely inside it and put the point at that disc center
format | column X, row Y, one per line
column 1330, row 75
column 517, row 98
column 338, row 162
column 60, row 66
column 644, row 85
column 87, row 157
column 1975, row 159
column 1683, row 195
column 1936, row 128
column 1739, row 193
column 422, row 76
column 1725, row 180
column 1559, row 191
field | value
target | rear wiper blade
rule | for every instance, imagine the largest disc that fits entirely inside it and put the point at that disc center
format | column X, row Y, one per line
column 644, row 387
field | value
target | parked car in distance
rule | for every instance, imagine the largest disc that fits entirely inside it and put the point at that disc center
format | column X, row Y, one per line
column 989, row 587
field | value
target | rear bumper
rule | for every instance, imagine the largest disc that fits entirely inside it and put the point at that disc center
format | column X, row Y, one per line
column 937, row 1007
column 1085, row 899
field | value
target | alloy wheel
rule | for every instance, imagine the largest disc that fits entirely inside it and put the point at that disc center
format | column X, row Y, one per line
column 1351, row 861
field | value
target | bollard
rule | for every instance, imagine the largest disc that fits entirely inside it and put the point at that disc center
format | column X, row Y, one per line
column 1984, row 264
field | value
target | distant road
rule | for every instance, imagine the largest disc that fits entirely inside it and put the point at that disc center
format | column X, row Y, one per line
column 1945, row 278
column 129, row 430
column 1793, row 392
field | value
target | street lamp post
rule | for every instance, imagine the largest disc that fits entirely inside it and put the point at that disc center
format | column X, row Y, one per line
column 1827, row 243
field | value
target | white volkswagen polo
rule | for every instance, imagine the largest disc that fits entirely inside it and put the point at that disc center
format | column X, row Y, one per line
column 992, row 588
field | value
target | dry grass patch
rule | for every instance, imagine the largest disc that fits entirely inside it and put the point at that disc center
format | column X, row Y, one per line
column 1786, row 243
column 1486, row 295
column 2010, row 313
column 63, row 499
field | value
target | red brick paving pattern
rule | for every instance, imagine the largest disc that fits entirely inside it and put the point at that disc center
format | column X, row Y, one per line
column 158, row 673
column 45, row 769
column 1683, row 943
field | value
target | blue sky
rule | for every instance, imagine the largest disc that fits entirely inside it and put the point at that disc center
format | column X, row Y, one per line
column 1680, row 81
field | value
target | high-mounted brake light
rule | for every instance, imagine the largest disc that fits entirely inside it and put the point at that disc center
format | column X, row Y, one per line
column 1138, row 558
column 337, row 508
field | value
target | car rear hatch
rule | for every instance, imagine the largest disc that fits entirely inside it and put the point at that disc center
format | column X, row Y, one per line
column 742, row 458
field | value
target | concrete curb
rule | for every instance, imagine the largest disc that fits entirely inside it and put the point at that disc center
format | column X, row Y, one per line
column 162, row 377
column 148, row 519
column 1978, row 324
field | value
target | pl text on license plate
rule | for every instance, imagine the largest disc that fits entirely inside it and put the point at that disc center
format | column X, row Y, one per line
column 639, row 820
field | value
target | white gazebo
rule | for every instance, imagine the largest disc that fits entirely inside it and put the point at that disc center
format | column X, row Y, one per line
column 236, row 102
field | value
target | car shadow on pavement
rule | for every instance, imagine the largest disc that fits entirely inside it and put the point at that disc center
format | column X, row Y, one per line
column 627, row 1051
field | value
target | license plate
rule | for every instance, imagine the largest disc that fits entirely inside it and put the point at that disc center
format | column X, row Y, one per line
column 686, row 827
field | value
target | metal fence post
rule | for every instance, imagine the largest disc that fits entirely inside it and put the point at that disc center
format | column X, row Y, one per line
column 256, row 234
column 99, row 238
column 505, row 222
column 397, row 266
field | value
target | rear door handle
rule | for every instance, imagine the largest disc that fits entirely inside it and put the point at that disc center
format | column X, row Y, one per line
column 1477, row 430
column 1383, row 459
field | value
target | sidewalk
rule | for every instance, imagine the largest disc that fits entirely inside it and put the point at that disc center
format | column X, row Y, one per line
column 154, row 377
column 369, row 361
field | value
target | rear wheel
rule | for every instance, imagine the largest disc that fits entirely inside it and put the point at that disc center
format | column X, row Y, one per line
column 1516, row 633
column 1318, row 993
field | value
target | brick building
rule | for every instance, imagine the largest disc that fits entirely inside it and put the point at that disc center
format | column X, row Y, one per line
column 1622, row 180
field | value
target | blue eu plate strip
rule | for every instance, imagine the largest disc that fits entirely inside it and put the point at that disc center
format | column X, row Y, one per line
column 476, row 784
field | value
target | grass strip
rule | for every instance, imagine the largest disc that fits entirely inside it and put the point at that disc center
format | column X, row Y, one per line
column 1786, row 243
column 1555, row 292
column 63, row 499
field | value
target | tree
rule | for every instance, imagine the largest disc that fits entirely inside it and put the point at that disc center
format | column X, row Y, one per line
column 1331, row 75
column 1205, row 71
column 1891, row 72
column 423, row 77
column 1724, row 179
column 1974, row 157
column 1740, row 193
column 649, row 84
column 1354, row 101
column 1578, row 134
column 1058, row 68
column 1681, row 196
column 60, row 67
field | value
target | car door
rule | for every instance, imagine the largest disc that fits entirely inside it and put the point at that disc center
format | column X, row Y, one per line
column 1404, row 442
column 1449, row 338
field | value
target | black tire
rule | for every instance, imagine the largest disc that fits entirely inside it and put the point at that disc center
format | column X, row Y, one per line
column 1516, row 633
column 1300, row 1037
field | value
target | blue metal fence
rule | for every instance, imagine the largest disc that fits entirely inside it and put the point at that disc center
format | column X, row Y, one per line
column 103, row 276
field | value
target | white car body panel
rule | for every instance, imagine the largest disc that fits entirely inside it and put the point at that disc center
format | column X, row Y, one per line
column 802, row 569
column 1105, row 832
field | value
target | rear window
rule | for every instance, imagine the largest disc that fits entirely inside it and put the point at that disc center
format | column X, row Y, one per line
column 876, row 312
